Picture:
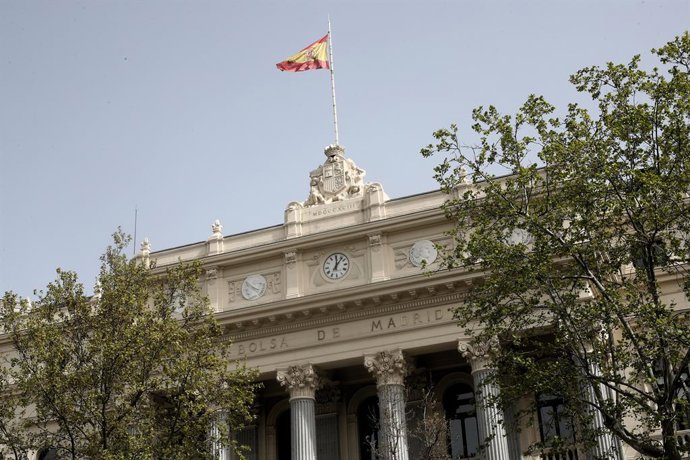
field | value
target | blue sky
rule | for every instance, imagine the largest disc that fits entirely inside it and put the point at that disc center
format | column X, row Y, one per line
column 176, row 107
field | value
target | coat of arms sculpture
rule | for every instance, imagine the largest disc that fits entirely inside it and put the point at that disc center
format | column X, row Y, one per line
column 337, row 179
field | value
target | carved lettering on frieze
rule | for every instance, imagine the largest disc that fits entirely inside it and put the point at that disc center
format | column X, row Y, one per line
column 261, row 345
column 408, row 320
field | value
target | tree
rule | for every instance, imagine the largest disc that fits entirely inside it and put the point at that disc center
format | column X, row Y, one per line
column 12, row 442
column 139, row 370
column 584, row 248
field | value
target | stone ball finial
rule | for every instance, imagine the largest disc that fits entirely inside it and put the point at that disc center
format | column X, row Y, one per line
column 334, row 150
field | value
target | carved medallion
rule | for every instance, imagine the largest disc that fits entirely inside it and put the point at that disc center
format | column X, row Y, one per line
column 423, row 252
column 253, row 287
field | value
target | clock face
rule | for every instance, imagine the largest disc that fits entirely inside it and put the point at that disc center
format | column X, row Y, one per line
column 336, row 266
column 253, row 287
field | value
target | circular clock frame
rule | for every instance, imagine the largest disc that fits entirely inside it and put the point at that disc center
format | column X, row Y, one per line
column 336, row 266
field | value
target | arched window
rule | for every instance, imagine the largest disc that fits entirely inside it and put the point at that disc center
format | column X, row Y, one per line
column 458, row 404
column 368, row 427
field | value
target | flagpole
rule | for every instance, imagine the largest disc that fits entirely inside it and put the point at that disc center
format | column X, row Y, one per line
column 332, row 67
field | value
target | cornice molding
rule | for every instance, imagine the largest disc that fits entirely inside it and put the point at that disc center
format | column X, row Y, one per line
column 278, row 248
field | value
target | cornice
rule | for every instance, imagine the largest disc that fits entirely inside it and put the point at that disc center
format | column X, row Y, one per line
column 319, row 239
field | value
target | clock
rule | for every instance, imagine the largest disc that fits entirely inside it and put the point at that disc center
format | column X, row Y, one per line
column 253, row 287
column 336, row 266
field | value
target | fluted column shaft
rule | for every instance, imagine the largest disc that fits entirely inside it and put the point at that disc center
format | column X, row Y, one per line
column 491, row 430
column 605, row 442
column 301, row 382
column 490, row 419
column 221, row 450
column 303, row 428
column 390, row 369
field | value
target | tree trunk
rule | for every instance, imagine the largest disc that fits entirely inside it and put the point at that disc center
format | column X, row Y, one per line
column 670, row 443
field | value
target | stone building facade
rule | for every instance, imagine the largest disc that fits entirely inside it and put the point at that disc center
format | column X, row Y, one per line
column 350, row 335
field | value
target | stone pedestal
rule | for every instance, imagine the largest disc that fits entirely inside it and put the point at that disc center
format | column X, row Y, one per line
column 390, row 369
column 302, row 382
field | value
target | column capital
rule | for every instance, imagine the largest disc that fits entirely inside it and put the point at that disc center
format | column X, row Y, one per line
column 301, row 381
column 478, row 356
column 389, row 367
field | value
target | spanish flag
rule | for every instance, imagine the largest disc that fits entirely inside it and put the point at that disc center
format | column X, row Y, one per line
column 314, row 56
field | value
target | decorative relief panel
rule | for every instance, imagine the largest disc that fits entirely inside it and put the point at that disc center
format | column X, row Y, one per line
column 415, row 255
column 272, row 287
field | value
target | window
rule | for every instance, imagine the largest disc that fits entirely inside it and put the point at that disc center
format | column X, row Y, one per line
column 459, row 406
column 367, row 423
column 553, row 421
column 247, row 437
column 327, row 444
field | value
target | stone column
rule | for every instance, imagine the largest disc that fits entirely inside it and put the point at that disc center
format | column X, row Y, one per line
column 491, row 429
column 390, row 369
column 221, row 450
column 302, row 382
column 605, row 443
